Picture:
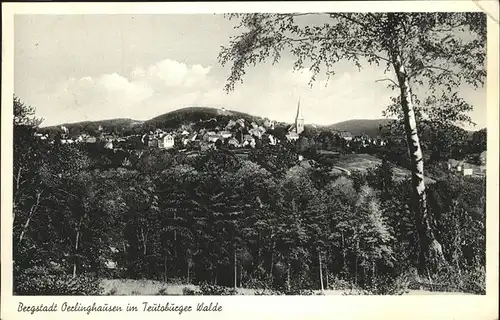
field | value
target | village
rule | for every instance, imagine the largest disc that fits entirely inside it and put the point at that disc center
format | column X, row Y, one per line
column 240, row 136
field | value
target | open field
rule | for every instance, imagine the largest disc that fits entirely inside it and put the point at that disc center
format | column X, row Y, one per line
column 363, row 162
column 127, row 287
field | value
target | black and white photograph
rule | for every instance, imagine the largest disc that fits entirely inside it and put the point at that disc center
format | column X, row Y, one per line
column 249, row 154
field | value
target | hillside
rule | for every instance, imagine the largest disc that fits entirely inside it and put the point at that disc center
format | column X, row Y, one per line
column 191, row 115
column 110, row 125
column 369, row 127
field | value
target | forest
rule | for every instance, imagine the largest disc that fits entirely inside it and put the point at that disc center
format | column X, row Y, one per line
column 219, row 221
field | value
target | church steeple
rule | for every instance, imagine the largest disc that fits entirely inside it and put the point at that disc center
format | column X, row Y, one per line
column 299, row 120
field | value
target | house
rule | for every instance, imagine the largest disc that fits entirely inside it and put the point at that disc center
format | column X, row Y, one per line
column 269, row 123
column 166, row 142
column 292, row 136
column 108, row 144
column 189, row 139
column 482, row 157
column 225, row 134
column 256, row 132
column 261, row 129
column 346, row 135
column 153, row 142
column 468, row 171
column 206, row 147
column 455, row 165
column 81, row 138
column 272, row 140
column 248, row 140
column 91, row 140
column 233, row 143
column 230, row 124
column 211, row 136
column 241, row 122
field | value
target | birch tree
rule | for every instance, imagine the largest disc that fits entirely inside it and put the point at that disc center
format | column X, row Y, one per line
column 435, row 51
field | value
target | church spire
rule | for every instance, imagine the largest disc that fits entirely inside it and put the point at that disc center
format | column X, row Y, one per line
column 299, row 111
column 299, row 120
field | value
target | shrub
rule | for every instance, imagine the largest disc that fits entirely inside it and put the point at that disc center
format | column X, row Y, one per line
column 112, row 292
column 162, row 292
column 268, row 292
column 34, row 282
column 214, row 290
column 335, row 283
column 467, row 281
column 387, row 285
column 177, row 281
column 190, row 292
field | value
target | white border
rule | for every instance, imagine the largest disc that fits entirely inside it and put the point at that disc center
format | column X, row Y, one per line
column 269, row 307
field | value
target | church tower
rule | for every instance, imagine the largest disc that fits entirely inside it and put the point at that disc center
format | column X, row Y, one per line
column 299, row 120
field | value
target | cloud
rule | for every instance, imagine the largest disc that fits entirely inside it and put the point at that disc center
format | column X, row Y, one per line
column 114, row 95
column 171, row 74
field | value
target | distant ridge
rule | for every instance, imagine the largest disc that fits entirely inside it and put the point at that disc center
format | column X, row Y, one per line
column 125, row 122
column 368, row 127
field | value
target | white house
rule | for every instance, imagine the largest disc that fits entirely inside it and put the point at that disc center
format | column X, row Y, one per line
column 233, row 143
column 248, row 140
column 468, row 172
column 226, row 134
column 166, row 142
column 108, row 144
column 272, row 140
column 292, row 136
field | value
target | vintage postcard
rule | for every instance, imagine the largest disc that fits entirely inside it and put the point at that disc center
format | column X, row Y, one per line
column 222, row 160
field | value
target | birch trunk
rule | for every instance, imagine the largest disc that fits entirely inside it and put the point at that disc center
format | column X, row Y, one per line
column 241, row 274
column 165, row 266
column 272, row 261
column 175, row 237
column 356, row 264
column 32, row 211
column 76, row 246
column 430, row 249
column 326, row 275
column 320, row 272
column 18, row 183
column 258, row 249
column 343, row 251
column 235, row 271
column 288, row 275
column 144, row 248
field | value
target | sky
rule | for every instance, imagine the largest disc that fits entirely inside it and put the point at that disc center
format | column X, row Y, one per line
column 91, row 67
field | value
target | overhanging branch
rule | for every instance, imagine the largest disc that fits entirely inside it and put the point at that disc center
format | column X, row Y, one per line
column 387, row 79
column 418, row 71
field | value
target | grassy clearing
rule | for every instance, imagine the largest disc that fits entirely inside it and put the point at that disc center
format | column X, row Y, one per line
column 363, row 162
